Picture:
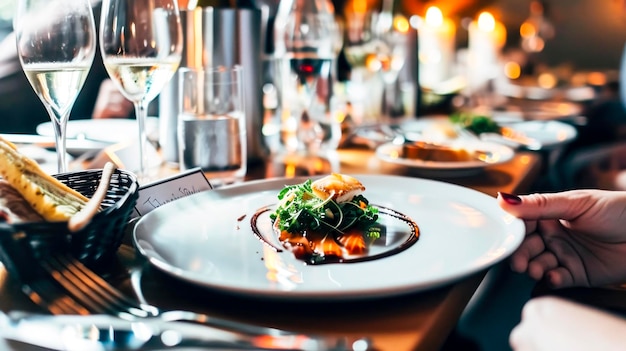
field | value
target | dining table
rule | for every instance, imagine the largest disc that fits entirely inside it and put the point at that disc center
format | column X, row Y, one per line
column 420, row 320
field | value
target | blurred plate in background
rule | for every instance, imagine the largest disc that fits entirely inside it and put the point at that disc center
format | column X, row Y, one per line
column 549, row 134
column 105, row 130
column 530, row 110
column 497, row 153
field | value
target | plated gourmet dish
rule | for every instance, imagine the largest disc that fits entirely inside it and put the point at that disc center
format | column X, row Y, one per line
column 421, row 150
column 445, row 139
column 329, row 220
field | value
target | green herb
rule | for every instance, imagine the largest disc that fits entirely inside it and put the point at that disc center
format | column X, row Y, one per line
column 300, row 210
column 476, row 124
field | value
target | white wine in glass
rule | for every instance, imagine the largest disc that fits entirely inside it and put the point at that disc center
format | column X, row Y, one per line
column 141, row 44
column 56, row 44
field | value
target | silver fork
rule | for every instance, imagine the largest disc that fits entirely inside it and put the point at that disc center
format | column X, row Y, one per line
column 99, row 297
column 56, row 281
column 55, row 293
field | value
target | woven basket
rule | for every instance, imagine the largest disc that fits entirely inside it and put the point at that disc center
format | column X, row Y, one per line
column 97, row 241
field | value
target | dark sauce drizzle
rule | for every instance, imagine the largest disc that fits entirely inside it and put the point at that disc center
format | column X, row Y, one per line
column 412, row 238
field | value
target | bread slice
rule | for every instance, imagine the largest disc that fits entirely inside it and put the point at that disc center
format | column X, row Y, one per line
column 13, row 206
column 53, row 200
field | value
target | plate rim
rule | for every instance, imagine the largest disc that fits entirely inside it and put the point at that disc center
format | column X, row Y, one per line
column 514, row 224
column 572, row 133
column 382, row 152
column 571, row 130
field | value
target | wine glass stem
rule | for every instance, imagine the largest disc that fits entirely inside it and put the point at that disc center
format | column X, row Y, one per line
column 59, row 123
column 388, row 102
column 141, row 113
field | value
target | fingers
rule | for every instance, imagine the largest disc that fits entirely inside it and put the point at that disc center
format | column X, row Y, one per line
column 571, row 270
column 556, row 263
column 546, row 252
column 541, row 264
column 532, row 246
column 559, row 278
column 563, row 205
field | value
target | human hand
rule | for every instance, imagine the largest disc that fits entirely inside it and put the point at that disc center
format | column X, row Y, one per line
column 553, row 324
column 111, row 103
column 573, row 238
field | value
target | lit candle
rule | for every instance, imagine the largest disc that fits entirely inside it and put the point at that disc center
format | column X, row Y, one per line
column 486, row 39
column 436, row 44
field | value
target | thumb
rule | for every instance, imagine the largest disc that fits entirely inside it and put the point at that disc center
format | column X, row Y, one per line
column 566, row 205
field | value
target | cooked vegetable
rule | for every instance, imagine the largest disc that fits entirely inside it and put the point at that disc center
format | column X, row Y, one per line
column 476, row 124
column 300, row 210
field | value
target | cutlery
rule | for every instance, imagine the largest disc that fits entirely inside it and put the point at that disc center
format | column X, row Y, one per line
column 97, row 296
column 70, row 290
column 507, row 136
column 512, row 138
column 104, row 332
column 64, row 286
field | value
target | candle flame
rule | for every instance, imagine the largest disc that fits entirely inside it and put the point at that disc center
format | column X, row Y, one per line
column 359, row 6
column 486, row 22
column 527, row 30
column 401, row 24
column 547, row 80
column 596, row 78
column 434, row 17
column 512, row 70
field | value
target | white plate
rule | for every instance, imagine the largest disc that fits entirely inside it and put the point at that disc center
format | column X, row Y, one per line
column 545, row 134
column 207, row 239
column 112, row 130
column 549, row 134
column 499, row 153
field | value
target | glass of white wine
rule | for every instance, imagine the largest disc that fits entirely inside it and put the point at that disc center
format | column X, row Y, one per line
column 56, row 44
column 141, row 43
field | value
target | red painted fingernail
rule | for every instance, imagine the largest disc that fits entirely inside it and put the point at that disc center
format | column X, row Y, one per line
column 510, row 198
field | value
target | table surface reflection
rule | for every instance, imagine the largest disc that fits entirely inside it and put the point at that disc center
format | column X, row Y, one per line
column 417, row 321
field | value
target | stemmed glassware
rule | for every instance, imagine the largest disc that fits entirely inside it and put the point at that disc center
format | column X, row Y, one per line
column 359, row 41
column 375, row 48
column 56, row 44
column 141, row 44
column 307, row 36
column 390, row 33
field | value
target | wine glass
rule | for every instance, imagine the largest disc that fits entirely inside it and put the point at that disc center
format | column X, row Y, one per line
column 306, row 34
column 358, row 42
column 375, row 48
column 141, row 44
column 56, row 44
column 390, row 40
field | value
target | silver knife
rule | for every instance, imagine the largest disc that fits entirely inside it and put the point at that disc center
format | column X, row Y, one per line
column 103, row 332
column 513, row 139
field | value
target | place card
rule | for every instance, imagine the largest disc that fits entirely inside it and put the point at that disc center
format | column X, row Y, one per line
column 161, row 192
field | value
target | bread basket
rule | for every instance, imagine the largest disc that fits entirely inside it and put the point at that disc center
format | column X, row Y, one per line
column 97, row 241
